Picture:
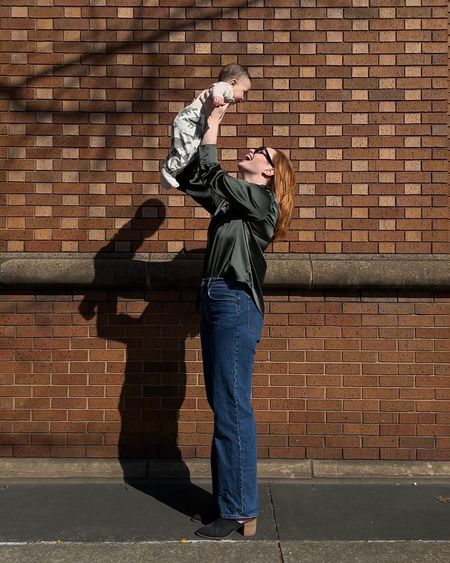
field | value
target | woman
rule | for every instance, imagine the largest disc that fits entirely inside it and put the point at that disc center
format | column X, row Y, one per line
column 247, row 214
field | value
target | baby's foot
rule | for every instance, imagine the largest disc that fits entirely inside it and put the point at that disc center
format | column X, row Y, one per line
column 167, row 180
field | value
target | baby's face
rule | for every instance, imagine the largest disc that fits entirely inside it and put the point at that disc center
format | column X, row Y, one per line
column 240, row 87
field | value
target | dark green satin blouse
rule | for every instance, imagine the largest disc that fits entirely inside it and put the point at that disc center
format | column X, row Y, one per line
column 244, row 217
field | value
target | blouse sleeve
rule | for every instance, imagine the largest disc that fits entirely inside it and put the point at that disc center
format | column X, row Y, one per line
column 191, row 184
column 249, row 200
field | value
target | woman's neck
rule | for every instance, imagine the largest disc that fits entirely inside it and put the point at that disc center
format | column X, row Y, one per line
column 254, row 179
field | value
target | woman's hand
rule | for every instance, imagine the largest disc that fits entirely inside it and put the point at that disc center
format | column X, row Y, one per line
column 218, row 101
column 219, row 112
column 214, row 117
column 214, row 112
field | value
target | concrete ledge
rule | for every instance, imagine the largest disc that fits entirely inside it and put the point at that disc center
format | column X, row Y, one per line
column 66, row 467
column 380, row 469
column 289, row 271
column 200, row 469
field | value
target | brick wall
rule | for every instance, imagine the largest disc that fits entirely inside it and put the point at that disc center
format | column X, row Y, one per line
column 352, row 376
column 354, row 91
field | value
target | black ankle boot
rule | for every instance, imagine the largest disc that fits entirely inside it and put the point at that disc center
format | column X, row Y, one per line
column 221, row 528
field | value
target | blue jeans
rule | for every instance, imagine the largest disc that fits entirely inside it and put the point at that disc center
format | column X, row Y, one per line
column 231, row 326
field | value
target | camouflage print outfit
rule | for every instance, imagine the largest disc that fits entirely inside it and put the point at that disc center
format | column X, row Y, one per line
column 187, row 132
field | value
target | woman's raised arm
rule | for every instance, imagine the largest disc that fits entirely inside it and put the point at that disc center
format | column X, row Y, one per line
column 214, row 117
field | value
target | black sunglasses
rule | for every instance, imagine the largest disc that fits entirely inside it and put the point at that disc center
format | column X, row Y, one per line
column 265, row 152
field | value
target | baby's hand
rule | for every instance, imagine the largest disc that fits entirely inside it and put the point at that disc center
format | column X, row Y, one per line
column 218, row 101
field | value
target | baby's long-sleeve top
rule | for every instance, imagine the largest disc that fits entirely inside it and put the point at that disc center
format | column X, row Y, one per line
column 222, row 89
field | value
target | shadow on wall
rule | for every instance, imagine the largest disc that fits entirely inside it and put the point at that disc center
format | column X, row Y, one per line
column 154, row 380
column 155, row 374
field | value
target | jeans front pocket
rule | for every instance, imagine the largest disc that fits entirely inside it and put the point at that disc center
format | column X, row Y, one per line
column 219, row 291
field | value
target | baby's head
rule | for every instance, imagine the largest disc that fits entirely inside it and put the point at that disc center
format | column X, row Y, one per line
column 239, row 78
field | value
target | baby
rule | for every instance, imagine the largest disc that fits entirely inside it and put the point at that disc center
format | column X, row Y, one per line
column 189, row 125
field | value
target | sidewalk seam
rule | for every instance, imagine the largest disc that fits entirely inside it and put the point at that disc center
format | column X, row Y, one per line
column 274, row 516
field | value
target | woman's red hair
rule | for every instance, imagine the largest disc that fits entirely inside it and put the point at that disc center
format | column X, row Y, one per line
column 283, row 185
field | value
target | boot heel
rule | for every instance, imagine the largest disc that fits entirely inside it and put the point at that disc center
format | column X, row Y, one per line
column 249, row 528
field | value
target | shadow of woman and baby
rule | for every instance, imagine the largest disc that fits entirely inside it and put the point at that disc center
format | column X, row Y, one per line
column 154, row 380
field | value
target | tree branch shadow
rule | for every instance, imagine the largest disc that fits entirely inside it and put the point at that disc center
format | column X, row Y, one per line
column 143, row 98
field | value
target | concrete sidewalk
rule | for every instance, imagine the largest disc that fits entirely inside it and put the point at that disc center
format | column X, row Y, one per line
column 301, row 520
